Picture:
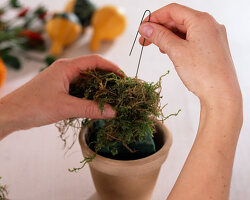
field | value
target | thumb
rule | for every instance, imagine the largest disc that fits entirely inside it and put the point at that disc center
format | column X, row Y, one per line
column 162, row 37
column 77, row 107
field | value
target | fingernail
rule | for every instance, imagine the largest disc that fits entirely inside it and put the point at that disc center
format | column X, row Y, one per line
column 108, row 112
column 146, row 30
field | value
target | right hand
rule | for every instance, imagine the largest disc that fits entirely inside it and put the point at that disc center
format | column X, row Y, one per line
column 198, row 48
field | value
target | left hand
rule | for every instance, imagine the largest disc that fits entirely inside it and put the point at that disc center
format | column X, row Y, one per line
column 45, row 99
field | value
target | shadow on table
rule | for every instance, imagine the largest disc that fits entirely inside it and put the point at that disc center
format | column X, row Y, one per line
column 93, row 197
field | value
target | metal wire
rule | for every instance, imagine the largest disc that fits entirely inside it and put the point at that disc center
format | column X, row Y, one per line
column 142, row 43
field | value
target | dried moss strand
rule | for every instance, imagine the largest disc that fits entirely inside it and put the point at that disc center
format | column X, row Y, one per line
column 135, row 101
column 174, row 114
column 83, row 162
column 3, row 192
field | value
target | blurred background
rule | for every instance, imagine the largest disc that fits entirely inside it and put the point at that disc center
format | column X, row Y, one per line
column 33, row 163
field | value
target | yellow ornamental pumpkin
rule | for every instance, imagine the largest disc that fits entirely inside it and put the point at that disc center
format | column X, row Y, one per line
column 3, row 73
column 70, row 6
column 63, row 29
column 108, row 23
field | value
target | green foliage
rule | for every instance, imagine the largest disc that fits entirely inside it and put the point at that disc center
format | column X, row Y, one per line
column 15, row 4
column 83, row 162
column 3, row 192
column 11, row 61
column 21, row 33
column 49, row 60
column 84, row 10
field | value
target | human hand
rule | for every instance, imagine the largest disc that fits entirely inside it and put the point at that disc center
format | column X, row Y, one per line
column 45, row 99
column 198, row 48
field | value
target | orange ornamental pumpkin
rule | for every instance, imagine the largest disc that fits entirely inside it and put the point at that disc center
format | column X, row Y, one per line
column 3, row 72
column 108, row 22
column 63, row 29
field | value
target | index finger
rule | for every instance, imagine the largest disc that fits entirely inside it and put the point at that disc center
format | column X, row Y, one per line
column 91, row 62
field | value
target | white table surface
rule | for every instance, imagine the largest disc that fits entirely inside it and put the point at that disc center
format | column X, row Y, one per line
column 32, row 162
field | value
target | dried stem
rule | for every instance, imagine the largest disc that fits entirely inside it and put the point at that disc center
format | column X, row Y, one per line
column 3, row 192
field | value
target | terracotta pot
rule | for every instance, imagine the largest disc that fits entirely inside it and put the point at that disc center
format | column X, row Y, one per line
column 127, row 180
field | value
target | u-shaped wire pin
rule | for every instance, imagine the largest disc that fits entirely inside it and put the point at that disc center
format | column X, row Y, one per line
column 142, row 43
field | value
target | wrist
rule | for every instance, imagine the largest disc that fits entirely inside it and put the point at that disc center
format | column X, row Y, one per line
column 222, row 102
column 223, row 112
column 5, row 127
column 8, row 118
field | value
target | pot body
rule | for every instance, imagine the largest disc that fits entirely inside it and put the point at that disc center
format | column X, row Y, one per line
column 110, row 187
column 127, row 180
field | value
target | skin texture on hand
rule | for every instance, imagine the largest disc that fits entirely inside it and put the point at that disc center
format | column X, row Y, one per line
column 198, row 47
column 199, row 50
column 45, row 99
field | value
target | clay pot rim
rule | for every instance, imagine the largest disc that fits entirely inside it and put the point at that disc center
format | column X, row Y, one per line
column 159, row 156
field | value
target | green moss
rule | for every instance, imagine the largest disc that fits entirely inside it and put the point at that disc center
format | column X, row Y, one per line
column 136, row 102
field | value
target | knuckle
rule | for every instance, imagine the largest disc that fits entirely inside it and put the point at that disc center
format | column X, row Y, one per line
column 61, row 61
column 96, row 56
column 172, row 5
column 220, row 29
column 177, row 54
column 223, row 28
column 91, row 111
column 205, row 17
column 198, row 15
column 161, row 36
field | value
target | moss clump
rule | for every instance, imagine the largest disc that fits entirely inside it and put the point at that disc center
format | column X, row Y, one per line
column 135, row 101
column 3, row 192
